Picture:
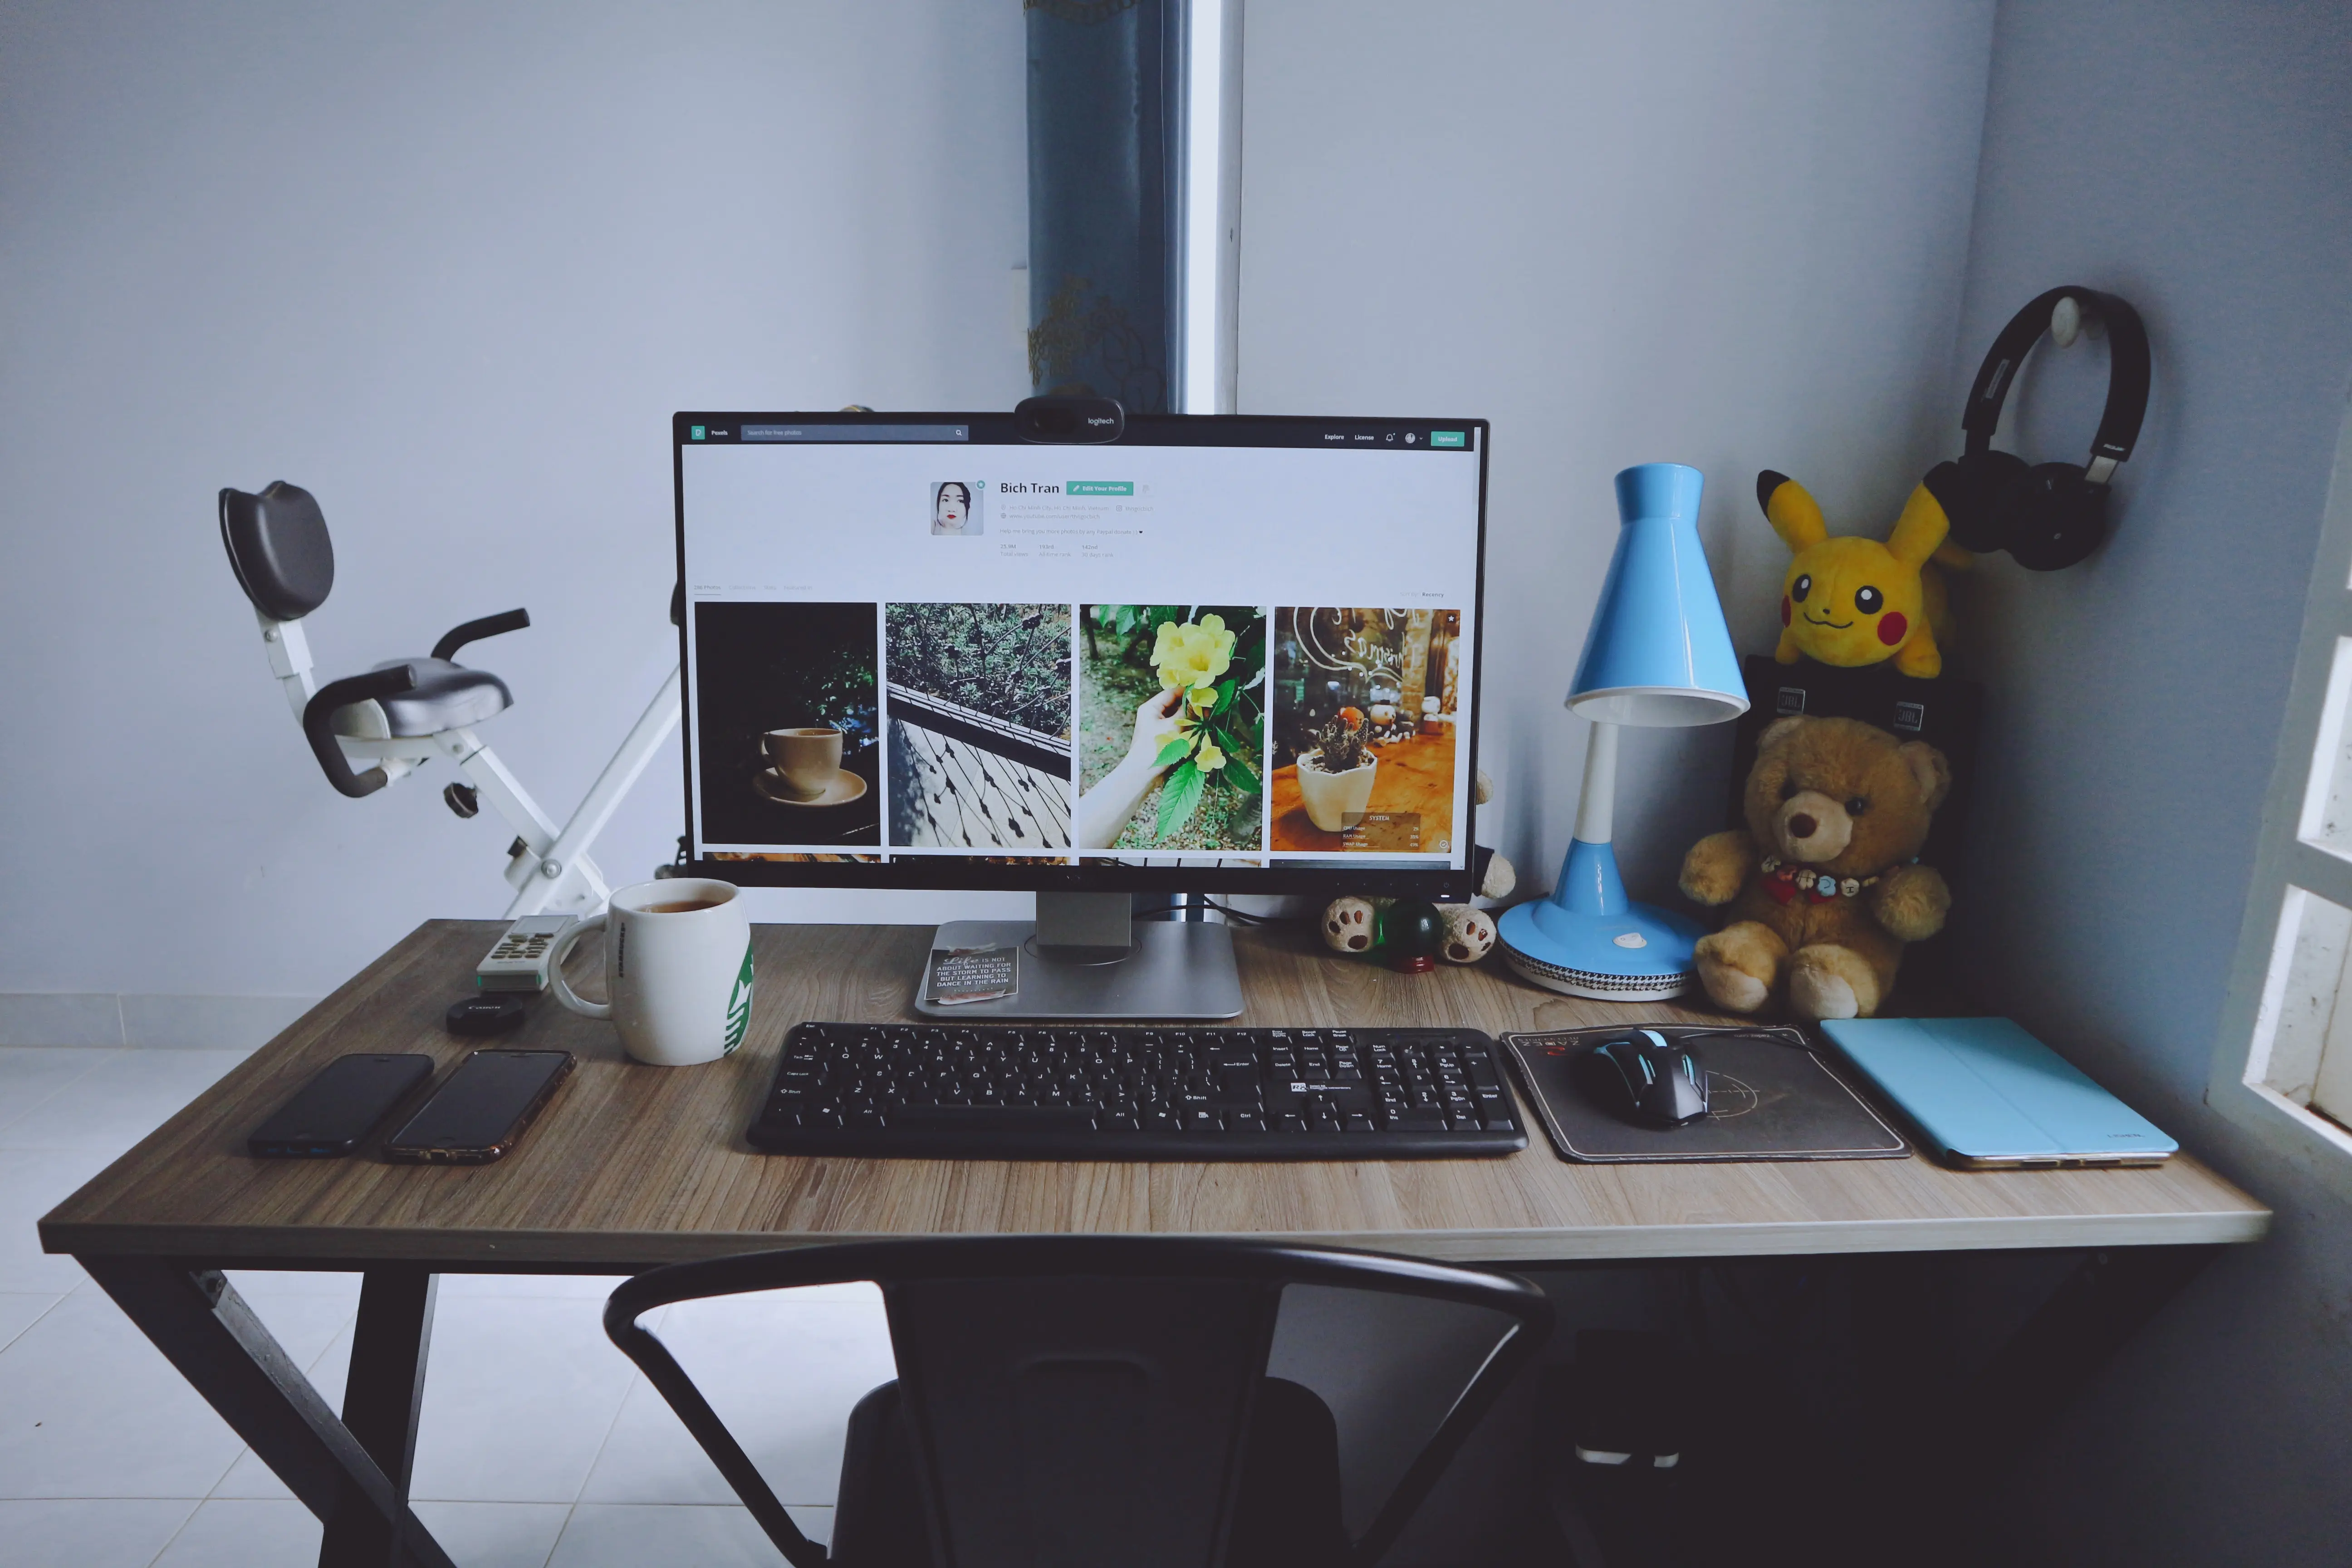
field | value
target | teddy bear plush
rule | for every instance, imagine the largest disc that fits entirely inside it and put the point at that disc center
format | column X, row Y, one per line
column 1822, row 888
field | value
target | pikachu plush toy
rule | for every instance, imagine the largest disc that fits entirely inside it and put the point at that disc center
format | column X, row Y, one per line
column 1852, row 600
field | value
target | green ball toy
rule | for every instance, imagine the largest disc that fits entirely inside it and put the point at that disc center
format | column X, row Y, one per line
column 1411, row 931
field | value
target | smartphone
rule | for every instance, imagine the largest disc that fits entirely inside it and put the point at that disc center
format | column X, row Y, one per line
column 343, row 1102
column 477, row 1114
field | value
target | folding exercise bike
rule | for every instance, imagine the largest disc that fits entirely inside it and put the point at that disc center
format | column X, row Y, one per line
column 373, row 730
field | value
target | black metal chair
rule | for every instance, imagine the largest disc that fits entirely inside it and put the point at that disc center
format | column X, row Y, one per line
column 1084, row 1400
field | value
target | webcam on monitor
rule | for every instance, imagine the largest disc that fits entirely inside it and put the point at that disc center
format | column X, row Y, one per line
column 1069, row 419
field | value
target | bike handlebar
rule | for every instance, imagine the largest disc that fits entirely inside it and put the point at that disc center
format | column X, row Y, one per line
column 457, row 637
column 319, row 718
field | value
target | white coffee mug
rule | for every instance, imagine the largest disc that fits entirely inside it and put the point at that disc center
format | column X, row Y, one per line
column 677, row 970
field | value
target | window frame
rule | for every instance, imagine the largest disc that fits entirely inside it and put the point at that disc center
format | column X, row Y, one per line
column 2311, row 742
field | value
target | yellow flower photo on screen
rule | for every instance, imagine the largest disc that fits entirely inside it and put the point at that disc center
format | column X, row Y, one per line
column 1174, row 694
column 1193, row 655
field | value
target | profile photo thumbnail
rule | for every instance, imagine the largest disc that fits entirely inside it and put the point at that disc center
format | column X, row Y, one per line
column 955, row 507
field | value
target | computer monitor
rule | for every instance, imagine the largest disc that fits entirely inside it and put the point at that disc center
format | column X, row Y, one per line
column 1234, row 654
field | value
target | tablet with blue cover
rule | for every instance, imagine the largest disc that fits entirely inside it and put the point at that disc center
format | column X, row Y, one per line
column 1987, row 1093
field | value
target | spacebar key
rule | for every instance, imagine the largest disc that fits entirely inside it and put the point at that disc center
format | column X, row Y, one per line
column 995, row 1117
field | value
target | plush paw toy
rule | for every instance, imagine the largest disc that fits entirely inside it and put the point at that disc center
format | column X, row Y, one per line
column 1852, row 601
column 1469, row 933
column 1350, row 925
column 1822, row 885
column 1360, row 926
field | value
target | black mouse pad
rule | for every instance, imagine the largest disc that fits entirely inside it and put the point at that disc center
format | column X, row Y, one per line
column 1769, row 1097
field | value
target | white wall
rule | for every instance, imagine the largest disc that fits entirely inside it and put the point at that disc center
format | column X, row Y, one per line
column 2199, row 159
column 1725, row 234
column 451, row 268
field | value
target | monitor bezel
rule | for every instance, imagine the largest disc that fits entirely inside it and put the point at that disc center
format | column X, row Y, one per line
column 953, row 873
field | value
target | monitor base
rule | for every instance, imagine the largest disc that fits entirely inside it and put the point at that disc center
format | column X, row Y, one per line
column 1176, row 969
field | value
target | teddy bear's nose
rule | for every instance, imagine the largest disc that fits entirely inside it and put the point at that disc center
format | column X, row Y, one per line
column 1801, row 826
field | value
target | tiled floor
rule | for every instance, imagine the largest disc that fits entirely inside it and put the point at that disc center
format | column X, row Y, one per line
column 540, row 1446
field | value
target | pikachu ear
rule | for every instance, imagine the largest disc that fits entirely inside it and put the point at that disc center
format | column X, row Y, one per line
column 1919, row 532
column 1792, row 513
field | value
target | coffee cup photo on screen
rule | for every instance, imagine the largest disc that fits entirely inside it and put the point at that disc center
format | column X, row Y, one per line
column 979, row 727
column 1366, row 703
column 786, row 739
column 955, row 507
column 1171, row 727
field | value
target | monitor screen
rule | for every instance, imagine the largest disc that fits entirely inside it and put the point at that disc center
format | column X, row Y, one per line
column 1220, row 653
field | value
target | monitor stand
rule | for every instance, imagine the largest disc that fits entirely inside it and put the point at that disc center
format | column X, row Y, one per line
column 1087, row 956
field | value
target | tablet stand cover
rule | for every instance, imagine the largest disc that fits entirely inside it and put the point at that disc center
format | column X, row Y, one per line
column 1985, row 1092
column 1770, row 1097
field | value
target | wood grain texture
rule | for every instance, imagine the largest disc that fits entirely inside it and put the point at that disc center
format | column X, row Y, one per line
column 635, row 1165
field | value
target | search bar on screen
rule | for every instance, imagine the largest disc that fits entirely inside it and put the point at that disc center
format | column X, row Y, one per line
column 855, row 433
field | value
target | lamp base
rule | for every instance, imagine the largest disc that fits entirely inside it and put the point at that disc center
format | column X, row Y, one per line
column 1637, row 953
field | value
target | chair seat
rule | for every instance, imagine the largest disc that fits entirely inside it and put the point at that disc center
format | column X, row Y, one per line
column 446, row 697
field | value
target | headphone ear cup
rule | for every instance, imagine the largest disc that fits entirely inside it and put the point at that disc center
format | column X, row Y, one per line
column 1976, row 493
column 2061, row 517
column 1984, row 490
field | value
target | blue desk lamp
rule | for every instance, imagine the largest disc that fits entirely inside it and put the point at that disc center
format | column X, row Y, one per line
column 1658, row 656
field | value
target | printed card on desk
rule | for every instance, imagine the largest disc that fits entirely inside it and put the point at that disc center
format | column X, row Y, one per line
column 964, row 974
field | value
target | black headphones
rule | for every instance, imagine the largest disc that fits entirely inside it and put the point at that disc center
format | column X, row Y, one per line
column 2047, row 515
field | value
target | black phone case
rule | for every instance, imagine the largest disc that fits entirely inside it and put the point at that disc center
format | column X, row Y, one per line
column 344, row 1101
column 402, row 1148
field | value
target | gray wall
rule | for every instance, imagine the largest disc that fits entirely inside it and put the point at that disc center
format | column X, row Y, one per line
column 451, row 268
column 2197, row 158
column 1725, row 234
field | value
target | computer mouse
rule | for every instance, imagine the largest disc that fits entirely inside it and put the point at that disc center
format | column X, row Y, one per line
column 1654, row 1082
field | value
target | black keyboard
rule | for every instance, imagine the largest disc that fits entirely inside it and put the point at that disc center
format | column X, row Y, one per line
column 996, row 1092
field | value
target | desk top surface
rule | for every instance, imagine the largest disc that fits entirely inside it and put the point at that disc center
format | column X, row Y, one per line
column 633, row 1166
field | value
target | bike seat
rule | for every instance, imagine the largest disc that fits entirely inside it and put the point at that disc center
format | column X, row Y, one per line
column 446, row 697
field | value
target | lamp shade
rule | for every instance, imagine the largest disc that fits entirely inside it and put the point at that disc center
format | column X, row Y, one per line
column 1659, row 654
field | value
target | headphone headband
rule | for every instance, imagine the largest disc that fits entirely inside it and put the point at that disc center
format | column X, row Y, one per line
column 2127, row 374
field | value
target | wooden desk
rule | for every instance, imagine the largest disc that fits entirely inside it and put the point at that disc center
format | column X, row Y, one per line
column 632, row 1166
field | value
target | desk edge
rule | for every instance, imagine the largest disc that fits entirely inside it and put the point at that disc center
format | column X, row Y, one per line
column 477, row 1251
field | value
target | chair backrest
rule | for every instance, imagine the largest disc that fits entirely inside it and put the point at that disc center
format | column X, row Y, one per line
column 1078, row 1399
column 278, row 545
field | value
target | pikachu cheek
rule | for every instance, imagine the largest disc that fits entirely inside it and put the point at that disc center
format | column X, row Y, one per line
column 1893, row 627
column 1786, row 609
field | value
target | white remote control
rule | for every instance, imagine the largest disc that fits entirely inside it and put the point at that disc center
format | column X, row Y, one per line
column 518, row 963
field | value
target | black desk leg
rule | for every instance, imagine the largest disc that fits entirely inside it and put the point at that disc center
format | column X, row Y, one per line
column 205, row 1329
column 383, row 1393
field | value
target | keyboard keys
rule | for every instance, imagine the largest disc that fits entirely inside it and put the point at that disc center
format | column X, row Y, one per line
column 1048, row 1118
column 1013, row 1092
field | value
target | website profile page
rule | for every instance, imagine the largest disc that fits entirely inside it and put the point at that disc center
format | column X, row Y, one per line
column 1237, row 656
